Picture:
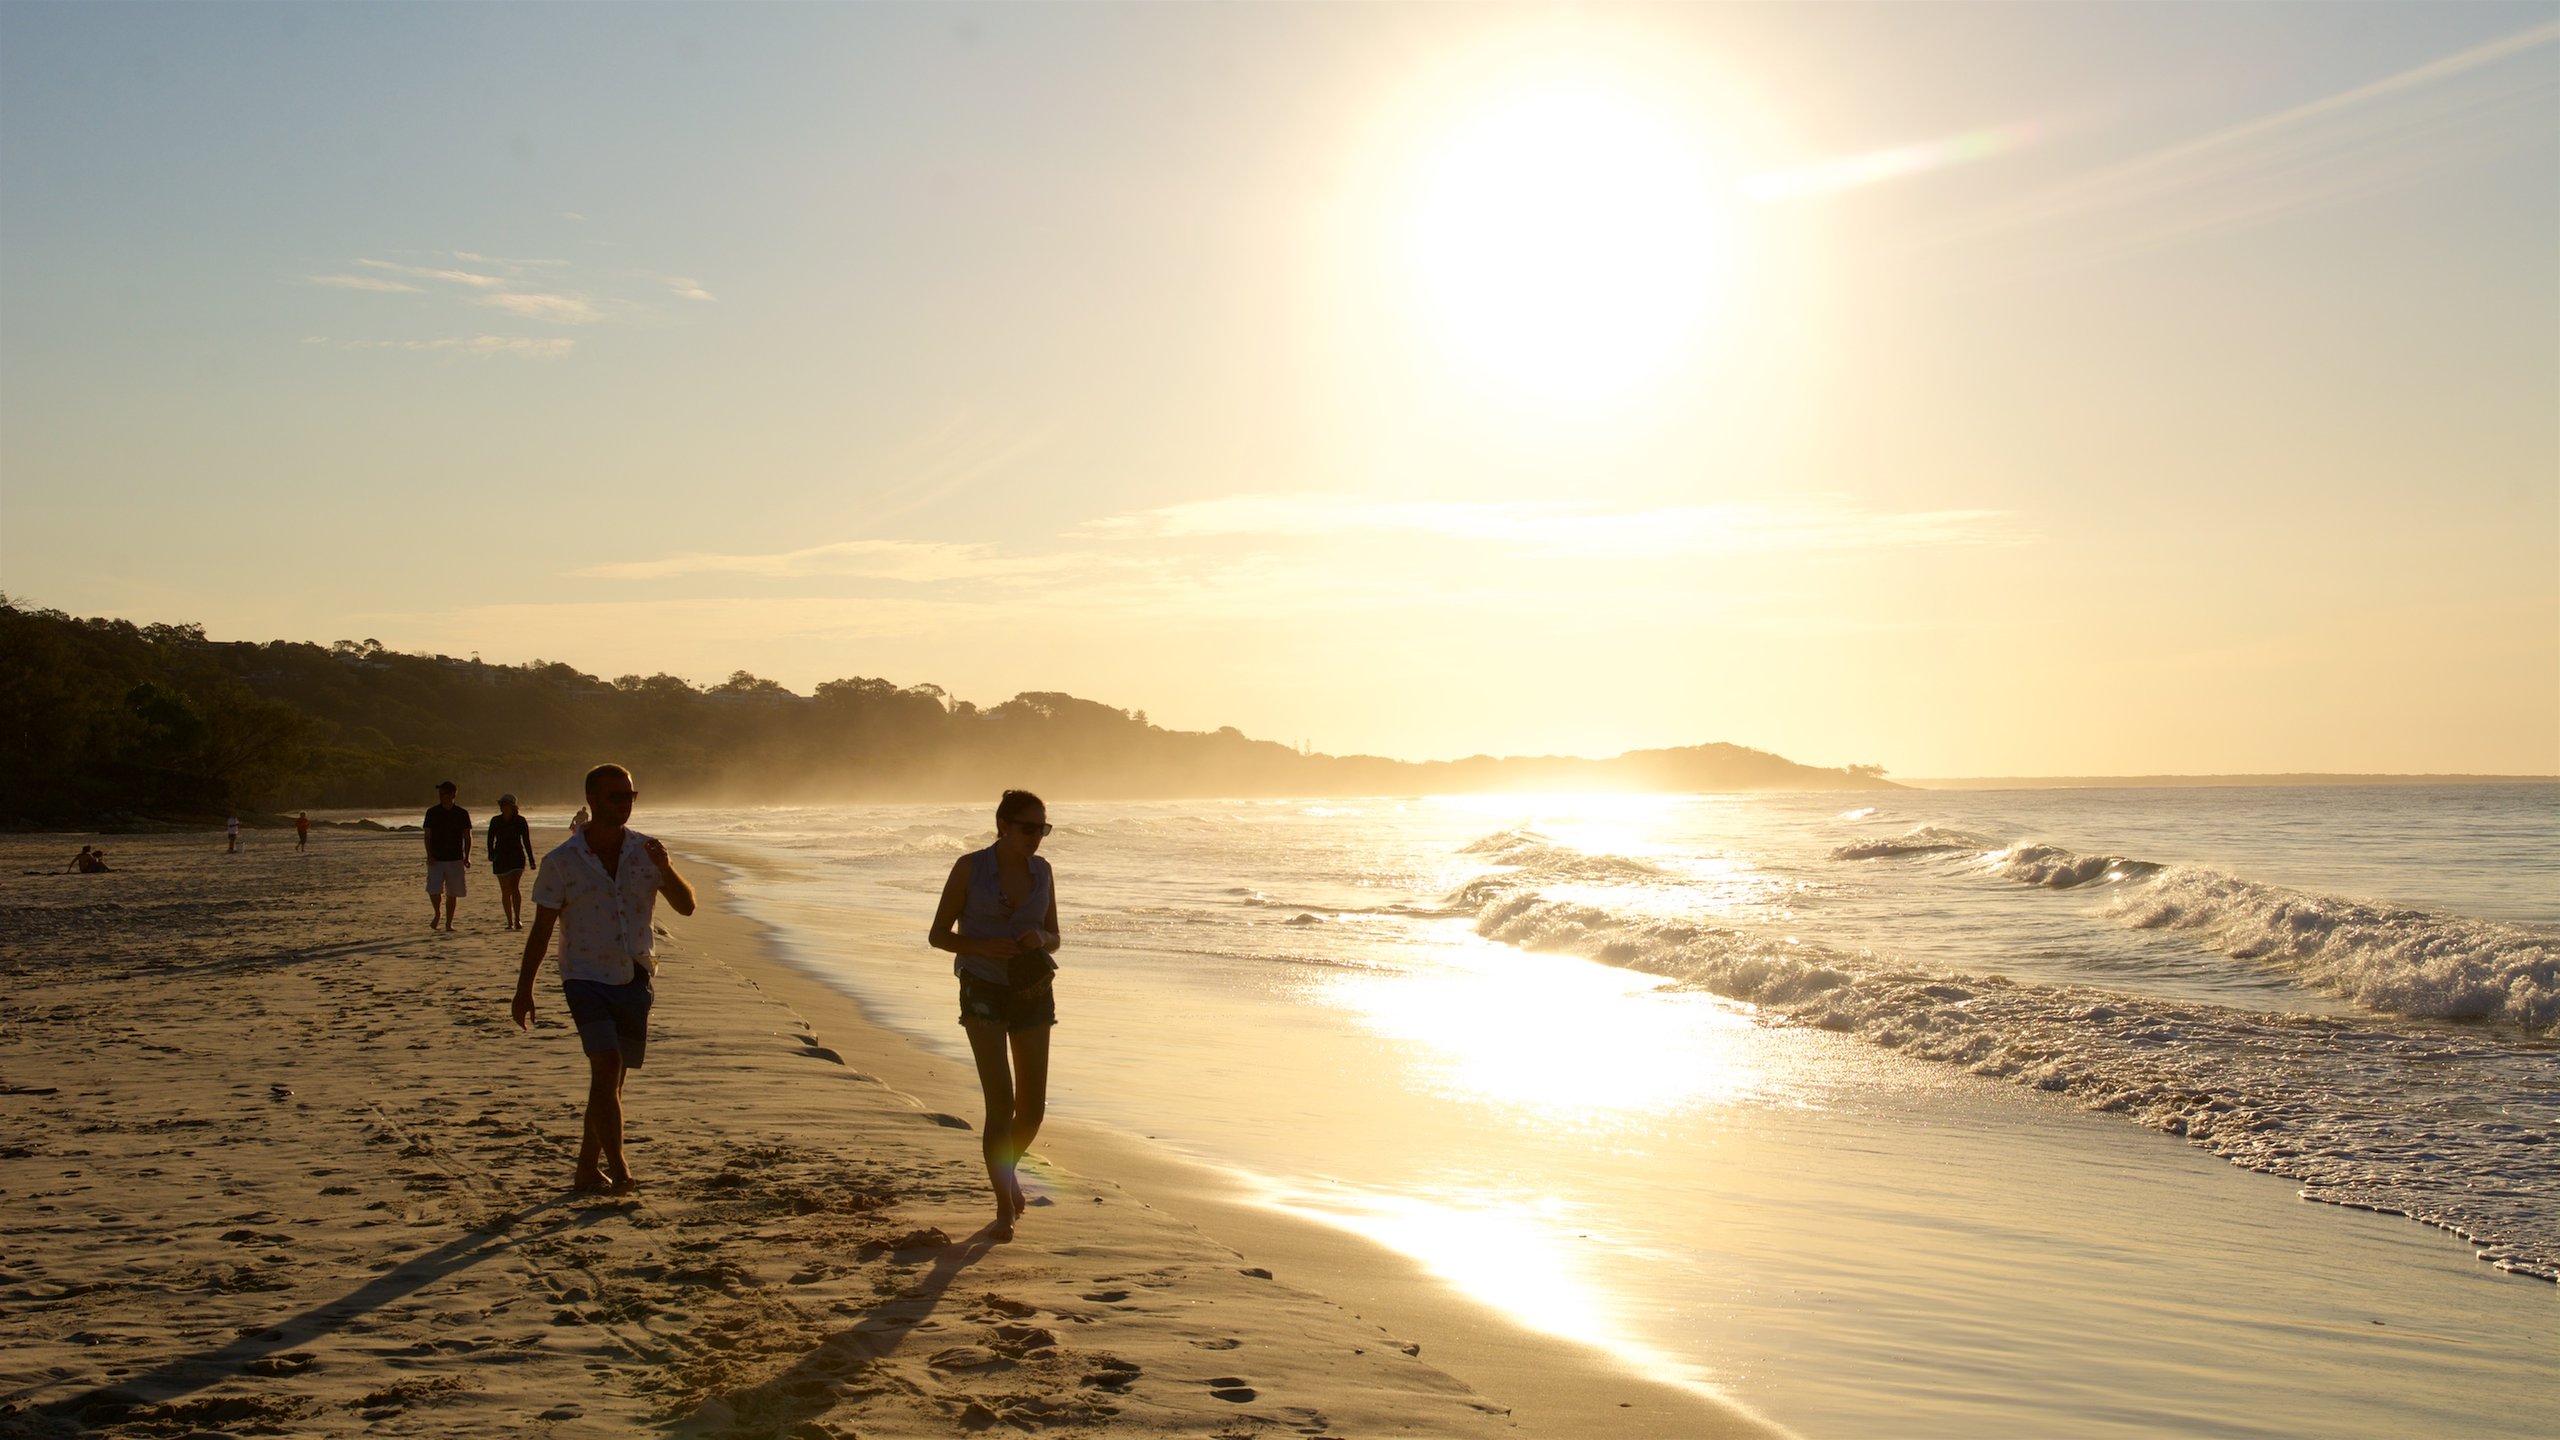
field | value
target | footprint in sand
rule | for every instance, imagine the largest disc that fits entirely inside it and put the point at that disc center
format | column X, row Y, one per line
column 1018, row 1339
column 1232, row 1389
column 1105, row 1297
column 1110, row 1372
column 277, row 1365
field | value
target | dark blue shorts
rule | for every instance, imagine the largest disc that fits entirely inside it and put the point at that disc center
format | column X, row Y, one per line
column 612, row 1017
column 1029, row 1003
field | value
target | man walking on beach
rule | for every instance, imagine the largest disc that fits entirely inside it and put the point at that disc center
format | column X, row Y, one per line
column 448, row 828
column 302, row 830
column 232, row 830
column 601, row 887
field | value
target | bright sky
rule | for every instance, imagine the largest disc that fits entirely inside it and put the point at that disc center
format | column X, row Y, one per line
column 1965, row 389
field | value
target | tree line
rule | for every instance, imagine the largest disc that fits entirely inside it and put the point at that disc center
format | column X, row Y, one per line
column 104, row 721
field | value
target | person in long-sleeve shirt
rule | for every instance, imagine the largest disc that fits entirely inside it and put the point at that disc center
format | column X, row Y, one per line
column 510, row 855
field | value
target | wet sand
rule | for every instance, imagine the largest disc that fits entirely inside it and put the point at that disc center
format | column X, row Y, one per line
column 273, row 1160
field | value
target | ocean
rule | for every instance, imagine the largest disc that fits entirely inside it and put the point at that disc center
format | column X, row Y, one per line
column 1908, row 1112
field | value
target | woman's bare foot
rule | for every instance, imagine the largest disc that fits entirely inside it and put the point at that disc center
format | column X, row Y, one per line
column 587, row 1182
column 624, row 1182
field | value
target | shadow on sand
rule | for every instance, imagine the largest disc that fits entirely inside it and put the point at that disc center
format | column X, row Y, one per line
column 810, row 1387
column 134, row 1396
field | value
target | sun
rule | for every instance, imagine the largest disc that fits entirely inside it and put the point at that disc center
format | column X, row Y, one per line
column 1569, row 238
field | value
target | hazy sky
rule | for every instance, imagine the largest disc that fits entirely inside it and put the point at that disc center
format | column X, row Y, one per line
column 1966, row 389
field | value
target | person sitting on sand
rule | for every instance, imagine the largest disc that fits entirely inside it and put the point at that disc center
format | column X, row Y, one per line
column 90, row 862
column 999, row 919
column 510, row 853
column 601, row 887
column 448, row 832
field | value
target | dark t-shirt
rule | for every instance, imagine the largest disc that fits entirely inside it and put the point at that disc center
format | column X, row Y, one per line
column 448, row 833
column 510, row 843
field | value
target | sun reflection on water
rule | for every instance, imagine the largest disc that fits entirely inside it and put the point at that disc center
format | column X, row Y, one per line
column 1527, row 1259
column 1552, row 1039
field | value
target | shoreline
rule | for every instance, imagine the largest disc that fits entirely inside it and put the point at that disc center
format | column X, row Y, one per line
column 326, row 1195
column 1550, row 1386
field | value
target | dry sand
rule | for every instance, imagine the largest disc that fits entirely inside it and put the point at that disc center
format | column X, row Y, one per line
column 273, row 1161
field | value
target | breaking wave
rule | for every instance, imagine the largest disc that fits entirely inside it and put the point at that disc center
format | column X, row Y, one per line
column 2371, row 1113
column 2406, row 962
column 2409, row 962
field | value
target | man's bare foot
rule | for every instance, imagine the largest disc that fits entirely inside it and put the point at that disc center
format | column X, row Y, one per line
column 587, row 1182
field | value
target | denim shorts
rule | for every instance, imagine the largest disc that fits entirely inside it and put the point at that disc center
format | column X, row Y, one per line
column 612, row 1017
column 1030, row 1002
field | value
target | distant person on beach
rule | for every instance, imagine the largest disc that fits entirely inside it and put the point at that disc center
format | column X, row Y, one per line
column 448, row 828
column 578, row 821
column 510, row 854
column 601, row 887
column 999, row 918
column 302, row 830
column 233, row 831
column 90, row 862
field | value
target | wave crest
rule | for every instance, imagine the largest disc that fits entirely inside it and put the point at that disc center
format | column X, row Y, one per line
column 1924, row 840
column 2320, row 1100
column 2409, row 962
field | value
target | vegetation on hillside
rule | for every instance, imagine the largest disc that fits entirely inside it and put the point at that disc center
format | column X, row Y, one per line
column 105, row 720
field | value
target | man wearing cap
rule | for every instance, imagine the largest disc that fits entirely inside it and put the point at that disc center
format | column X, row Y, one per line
column 510, row 851
column 448, row 830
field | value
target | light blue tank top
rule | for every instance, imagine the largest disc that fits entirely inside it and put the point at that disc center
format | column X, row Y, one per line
column 986, row 914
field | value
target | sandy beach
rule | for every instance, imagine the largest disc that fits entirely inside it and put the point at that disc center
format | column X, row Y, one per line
column 272, row 1161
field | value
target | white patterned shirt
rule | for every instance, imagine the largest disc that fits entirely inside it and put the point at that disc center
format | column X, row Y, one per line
column 606, row 929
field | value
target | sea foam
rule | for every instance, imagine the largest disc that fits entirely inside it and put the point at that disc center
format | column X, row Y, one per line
column 2407, row 962
column 2361, row 1112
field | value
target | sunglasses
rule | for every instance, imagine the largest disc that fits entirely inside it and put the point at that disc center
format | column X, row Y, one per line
column 1031, row 827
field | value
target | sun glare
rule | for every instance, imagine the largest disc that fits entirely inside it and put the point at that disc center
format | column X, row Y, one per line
column 1569, row 237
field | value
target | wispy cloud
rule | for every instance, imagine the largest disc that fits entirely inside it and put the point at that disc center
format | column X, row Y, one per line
column 517, row 345
column 471, row 278
column 535, row 305
column 1850, row 172
column 362, row 282
column 1553, row 526
column 912, row 561
column 526, row 289
column 2362, row 138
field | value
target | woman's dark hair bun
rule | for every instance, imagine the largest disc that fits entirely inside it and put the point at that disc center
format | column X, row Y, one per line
column 1017, row 803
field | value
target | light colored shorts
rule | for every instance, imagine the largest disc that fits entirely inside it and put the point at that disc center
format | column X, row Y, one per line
column 444, row 877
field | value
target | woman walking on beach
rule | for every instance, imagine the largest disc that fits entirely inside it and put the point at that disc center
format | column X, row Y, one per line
column 510, row 855
column 999, row 917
